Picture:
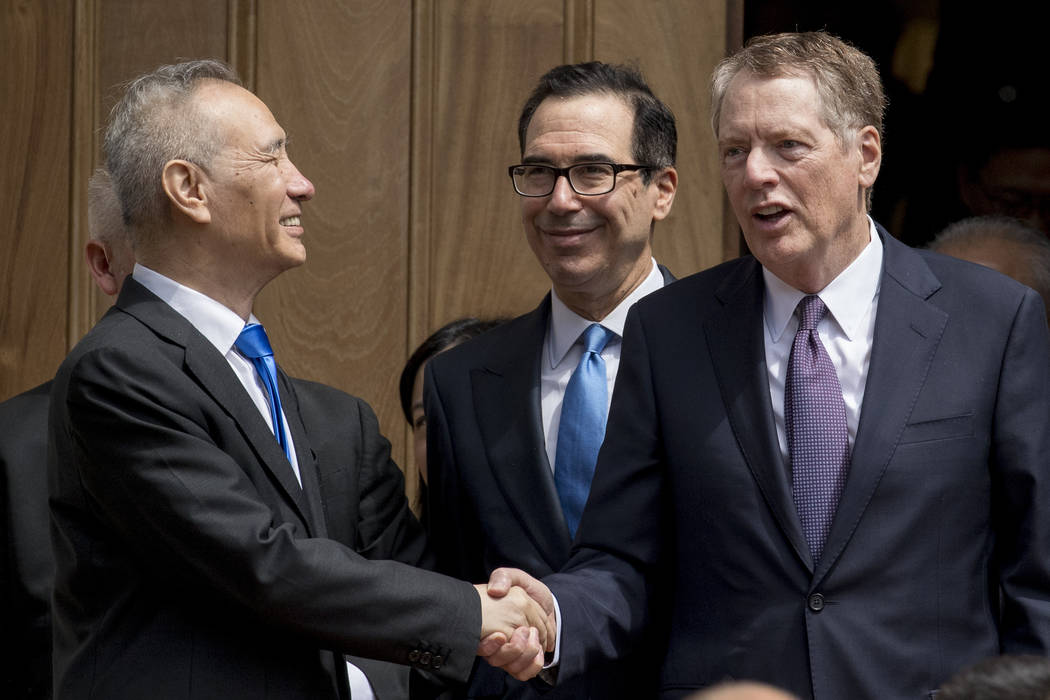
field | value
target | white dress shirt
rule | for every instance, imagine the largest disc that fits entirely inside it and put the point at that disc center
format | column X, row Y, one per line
column 846, row 331
column 221, row 326
column 562, row 351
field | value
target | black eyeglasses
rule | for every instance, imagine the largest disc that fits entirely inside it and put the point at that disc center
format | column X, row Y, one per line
column 589, row 179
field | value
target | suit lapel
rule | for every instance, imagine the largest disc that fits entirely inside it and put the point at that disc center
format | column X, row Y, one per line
column 213, row 374
column 736, row 344
column 506, row 396
column 305, row 456
column 907, row 333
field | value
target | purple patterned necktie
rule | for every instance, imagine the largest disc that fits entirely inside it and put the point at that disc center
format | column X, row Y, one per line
column 815, row 420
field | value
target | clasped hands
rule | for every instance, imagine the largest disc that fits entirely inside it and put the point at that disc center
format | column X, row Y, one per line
column 517, row 622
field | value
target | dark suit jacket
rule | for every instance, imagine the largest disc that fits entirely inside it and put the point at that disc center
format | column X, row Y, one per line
column 491, row 495
column 26, row 565
column 947, row 498
column 190, row 563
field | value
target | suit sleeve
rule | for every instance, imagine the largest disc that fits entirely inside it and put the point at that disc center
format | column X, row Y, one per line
column 604, row 589
column 141, row 439
column 1021, row 469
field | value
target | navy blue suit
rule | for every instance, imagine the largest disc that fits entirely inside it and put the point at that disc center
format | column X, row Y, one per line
column 947, row 500
column 491, row 495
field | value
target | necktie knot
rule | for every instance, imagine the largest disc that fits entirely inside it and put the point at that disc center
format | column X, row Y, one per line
column 253, row 343
column 595, row 338
column 811, row 310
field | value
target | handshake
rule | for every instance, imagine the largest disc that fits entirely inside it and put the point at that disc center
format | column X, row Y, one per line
column 517, row 622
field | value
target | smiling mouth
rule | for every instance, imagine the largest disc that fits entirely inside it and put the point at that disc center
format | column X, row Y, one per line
column 291, row 221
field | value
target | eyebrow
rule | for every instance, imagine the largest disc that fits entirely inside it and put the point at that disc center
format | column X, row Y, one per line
column 276, row 145
column 582, row 158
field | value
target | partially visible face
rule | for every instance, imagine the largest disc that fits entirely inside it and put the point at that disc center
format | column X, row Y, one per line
column 797, row 192
column 591, row 245
column 1014, row 182
column 1006, row 257
column 257, row 192
column 419, row 424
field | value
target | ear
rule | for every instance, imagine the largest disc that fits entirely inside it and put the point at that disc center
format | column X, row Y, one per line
column 98, row 264
column 870, row 146
column 666, row 183
column 184, row 184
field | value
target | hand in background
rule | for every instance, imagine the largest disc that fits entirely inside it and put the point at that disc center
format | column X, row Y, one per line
column 521, row 653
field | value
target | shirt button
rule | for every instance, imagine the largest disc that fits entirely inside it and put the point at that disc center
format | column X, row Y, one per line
column 816, row 602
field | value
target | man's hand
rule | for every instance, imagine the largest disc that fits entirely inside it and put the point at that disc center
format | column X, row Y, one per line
column 519, row 653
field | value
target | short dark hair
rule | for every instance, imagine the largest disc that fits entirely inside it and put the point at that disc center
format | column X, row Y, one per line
column 1007, row 677
column 452, row 333
column 654, row 139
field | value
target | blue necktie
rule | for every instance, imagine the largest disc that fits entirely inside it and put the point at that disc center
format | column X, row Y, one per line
column 815, row 421
column 253, row 344
column 582, row 427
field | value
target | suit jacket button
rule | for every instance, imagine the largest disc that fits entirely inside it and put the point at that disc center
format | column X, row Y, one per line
column 425, row 658
column 413, row 655
column 436, row 662
column 816, row 602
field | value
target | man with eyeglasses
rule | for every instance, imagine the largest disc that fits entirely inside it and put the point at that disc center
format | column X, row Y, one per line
column 516, row 416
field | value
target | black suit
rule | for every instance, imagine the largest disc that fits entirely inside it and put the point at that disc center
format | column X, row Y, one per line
column 491, row 495
column 26, row 565
column 190, row 563
column 947, row 497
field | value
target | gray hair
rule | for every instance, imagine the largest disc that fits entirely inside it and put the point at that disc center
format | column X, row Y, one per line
column 847, row 80
column 977, row 229
column 105, row 218
column 154, row 122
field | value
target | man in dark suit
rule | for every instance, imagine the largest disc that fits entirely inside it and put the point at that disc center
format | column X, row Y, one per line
column 192, row 545
column 26, row 562
column 496, row 433
column 854, row 501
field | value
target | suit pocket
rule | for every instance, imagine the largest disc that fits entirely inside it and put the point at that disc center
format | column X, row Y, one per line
column 939, row 429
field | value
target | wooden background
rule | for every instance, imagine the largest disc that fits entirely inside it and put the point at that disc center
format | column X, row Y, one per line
column 402, row 112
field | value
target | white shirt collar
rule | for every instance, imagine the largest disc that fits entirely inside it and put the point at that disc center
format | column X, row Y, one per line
column 216, row 322
column 848, row 296
column 566, row 325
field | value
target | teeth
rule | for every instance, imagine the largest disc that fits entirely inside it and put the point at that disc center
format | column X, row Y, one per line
column 766, row 211
column 290, row 221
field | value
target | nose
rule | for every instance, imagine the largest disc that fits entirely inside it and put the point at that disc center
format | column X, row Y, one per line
column 299, row 187
column 759, row 169
column 563, row 198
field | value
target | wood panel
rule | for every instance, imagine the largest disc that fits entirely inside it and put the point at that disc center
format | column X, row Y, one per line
column 338, row 77
column 36, row 49
column 120, row 40
column 487, row 57
column 402, row 112
column 677, row 44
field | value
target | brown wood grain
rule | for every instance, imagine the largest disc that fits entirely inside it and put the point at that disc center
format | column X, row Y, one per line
column 337, row 77
column 677, row 44
column 36, row 45
column 402, row 112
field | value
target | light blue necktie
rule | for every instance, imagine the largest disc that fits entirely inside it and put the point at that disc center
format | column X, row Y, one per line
column 253, row 344
column 583, row 414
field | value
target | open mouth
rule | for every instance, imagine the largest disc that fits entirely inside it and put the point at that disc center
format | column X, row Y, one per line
column 291, row 221
column 771, row 213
